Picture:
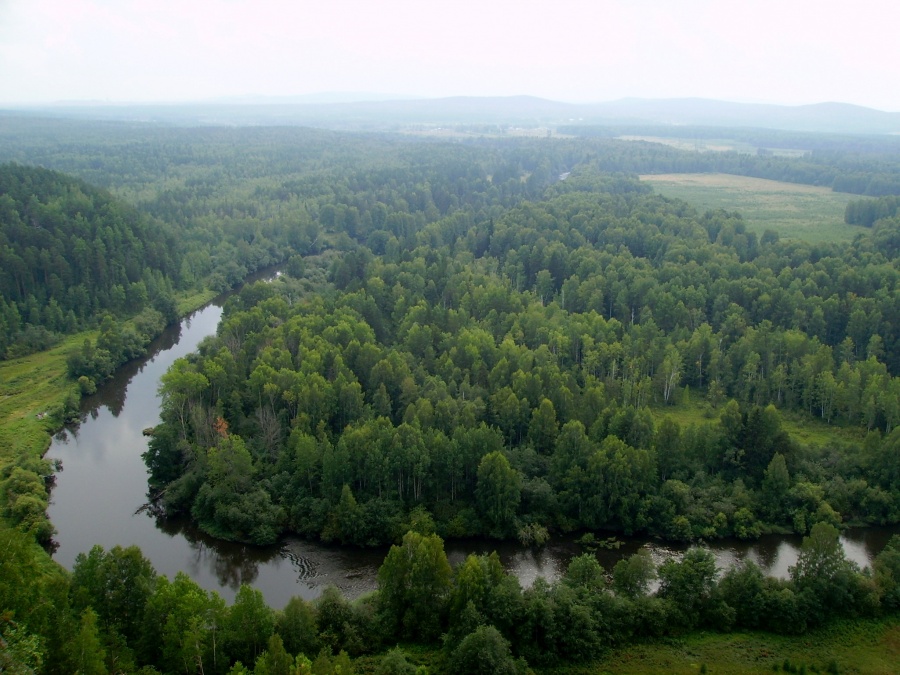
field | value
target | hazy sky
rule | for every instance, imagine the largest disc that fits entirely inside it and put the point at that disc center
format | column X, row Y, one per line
column 779, row 51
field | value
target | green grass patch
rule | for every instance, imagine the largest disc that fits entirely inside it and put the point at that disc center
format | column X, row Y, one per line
column 805, row 429
column 194, row 301
column 805, row 212
column 33, row 387
column 697, row 144
column 849, row 647
column 715, row 145
column 860, row 646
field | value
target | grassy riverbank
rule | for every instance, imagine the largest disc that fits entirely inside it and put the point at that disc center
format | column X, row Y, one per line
column 34, row 390
column 35, row 395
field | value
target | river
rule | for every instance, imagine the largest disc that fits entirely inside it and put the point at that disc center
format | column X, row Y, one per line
column 104, row 482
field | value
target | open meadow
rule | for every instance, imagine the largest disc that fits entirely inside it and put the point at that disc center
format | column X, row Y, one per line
column 806, row 212
column 863, row 646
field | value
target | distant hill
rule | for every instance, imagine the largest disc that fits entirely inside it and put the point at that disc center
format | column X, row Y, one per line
column 351, row 111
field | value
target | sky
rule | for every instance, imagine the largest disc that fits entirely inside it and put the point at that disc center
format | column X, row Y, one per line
column 769, row 51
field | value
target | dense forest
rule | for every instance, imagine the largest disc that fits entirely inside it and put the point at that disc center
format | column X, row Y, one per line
column 482, row 337
column 501, row 375
column 70, row 253
column 115, row 614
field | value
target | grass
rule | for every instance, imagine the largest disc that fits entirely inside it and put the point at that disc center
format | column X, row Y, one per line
column 870, row 646
column 697, row 144
column 714, row 145
column 804, row 429
column 30, row 387
column 860, row 646
column 34, row 390
column 194, row 301
column 805, row 212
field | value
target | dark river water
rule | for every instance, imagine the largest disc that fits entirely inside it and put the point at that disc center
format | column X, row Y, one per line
column 104, row 483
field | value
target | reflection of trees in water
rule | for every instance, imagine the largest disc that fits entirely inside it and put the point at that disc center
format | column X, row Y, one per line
column 233, row 564
column 111, row 394
column 766, row 551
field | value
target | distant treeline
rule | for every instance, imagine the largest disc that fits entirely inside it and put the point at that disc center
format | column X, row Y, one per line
column 867, row 212
column 857, row 165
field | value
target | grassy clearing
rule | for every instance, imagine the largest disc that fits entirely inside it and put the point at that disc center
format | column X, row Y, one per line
column 804, row 429
column 194, row 301
column 862, row 646
column 30, row 387
column 696, row 144
column 809, row 213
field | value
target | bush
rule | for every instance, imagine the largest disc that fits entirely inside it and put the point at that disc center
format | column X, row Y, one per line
column 485, row 652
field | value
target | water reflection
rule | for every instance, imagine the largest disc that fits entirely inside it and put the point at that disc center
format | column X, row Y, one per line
column 232, row 564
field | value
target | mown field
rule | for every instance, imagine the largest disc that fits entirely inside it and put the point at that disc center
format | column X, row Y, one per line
column 813, row 214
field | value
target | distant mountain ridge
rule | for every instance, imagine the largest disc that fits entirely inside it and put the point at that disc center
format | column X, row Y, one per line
column 353, row 111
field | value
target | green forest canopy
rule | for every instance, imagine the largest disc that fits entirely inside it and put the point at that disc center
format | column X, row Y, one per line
column 462, row 339
column 501, row 375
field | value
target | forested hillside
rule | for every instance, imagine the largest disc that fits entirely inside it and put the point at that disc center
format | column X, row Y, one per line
column 69, row 253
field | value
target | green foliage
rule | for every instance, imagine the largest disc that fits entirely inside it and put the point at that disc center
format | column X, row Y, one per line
column 33, row 591
column 887, row 574
column 296, row 625
column 250, row 625
column 632, row 576
column 116, row 584
column 85, row 651
column 498, row 492
column 395, row 663
column 827, row 583
column 689, row 585
column 69, row 252
column 20, row 652
column 26, row 496
column 414, row 585
column 484, row 651
column 391, row 395
column 585, row 571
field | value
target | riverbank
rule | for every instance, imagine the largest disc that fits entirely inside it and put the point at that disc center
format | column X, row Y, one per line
column 36, row 397
column 35, row 390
